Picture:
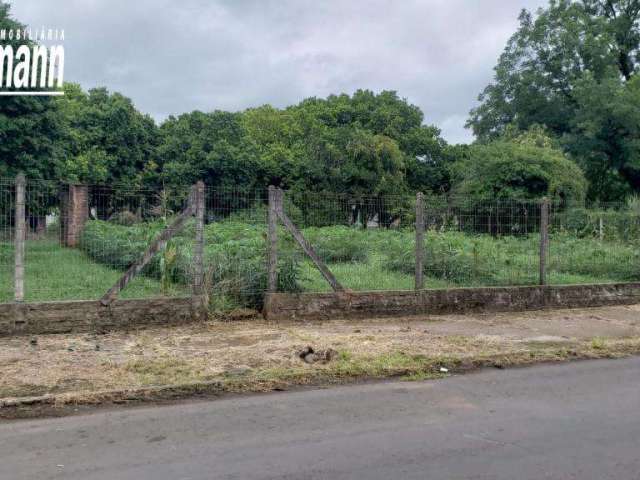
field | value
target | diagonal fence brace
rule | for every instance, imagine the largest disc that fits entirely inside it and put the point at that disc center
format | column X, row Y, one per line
column 158, row 244
column 306, row 246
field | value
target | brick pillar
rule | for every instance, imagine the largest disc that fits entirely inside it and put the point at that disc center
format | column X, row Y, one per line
column 75, row 213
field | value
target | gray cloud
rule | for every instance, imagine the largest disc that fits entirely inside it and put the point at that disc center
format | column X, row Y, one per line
column 172, row 57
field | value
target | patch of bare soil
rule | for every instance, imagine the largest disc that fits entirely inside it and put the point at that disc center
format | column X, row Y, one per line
column 256, row 355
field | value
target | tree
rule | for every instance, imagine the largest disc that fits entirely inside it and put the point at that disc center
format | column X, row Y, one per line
column 605, row 135
column 211, row 147
column 540, row 77
column 525, row 167
column 106, row 140
column 331, row 129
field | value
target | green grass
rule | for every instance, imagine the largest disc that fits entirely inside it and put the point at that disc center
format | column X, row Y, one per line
column 374, row 259
column 53, row 272
column 371, row 275
column 455, row 259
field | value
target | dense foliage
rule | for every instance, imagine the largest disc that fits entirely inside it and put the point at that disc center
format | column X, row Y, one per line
column 573, row 69
column 565, row 90
column 522, row 168
column 374, row 259
column 29, row 128
column 235, row 257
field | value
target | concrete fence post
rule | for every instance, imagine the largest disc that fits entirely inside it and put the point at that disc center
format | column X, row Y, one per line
column 272, row 237
column 544, row 239
column 20, row 237
column 198, row 253
column 419, row 277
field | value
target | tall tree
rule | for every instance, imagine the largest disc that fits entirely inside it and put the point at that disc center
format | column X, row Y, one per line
column 542, row 74
column 106, row 139
column 206, row 146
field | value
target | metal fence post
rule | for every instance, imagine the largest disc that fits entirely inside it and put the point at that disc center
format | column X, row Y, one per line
column 20, row 237
column 544, row 239
column 419, row 280
column 272, row 233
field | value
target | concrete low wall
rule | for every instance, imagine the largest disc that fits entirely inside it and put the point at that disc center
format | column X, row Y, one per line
column 307, row 306
column 91, row 316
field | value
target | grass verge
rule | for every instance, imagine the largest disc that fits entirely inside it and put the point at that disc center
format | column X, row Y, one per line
column 172, row 378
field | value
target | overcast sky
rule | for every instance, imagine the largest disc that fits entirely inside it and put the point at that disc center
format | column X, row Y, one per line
column 176, row 56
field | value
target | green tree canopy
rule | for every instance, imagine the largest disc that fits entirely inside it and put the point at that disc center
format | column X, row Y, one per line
column 106, row 139
column 211, row 147
column 364, row 143
column 549, row 73
column 524, row 167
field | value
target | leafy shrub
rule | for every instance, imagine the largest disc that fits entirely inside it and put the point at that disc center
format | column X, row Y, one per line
column 453, row 256
column 117, row 245
column 234, row 257
column 338, row 244
column 125, row 217
column 618, row 225
column 605, row 260
column 517, row 169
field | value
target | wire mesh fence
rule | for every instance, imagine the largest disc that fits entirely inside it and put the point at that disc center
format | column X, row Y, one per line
column 596, row 243
column 482, row 243
column 80, row 240
column 366, row 241
column 7, row 250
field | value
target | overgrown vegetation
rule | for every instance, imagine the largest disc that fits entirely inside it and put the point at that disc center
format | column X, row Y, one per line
column 234, row 257
column 373, row 258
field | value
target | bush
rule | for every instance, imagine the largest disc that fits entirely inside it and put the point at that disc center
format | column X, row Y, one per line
column 117, row 245
column 234, row 256
column 338, row 244
column 124, row 217
column 236, row 261
column 450, row 256
column 517, row 169
column 617, row 225
column 605, row 260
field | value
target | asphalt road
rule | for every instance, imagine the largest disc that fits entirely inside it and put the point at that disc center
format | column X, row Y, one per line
column 579, row 420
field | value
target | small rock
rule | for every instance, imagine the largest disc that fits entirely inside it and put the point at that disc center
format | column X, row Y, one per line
column 309, row 355
column 304, row 352
column 311, row 358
